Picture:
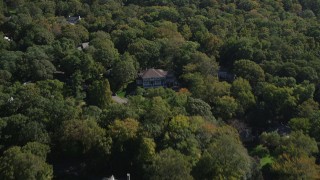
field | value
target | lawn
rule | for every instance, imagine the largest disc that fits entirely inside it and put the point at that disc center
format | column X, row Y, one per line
column 266, row 160
column 121, row 94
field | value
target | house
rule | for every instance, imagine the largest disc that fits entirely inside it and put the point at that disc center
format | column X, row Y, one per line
column 152, row 78
column 73, row 19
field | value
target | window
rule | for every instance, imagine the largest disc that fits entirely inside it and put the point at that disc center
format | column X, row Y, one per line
column 157, row 83
column 146, row 82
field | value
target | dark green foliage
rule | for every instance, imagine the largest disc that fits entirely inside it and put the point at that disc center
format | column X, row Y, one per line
column 123, row 72
column 293, row 155
column 99, row 93
column 249, row 70
column 198, row 107
column 242, row 91
column 180, row 135
column 300, row 124
column 169, row 164
column 81, row 136
column 26, row 162
column 250, row 64
column 77, row 33
column 235, row 50
column 147, row 52
column 225, row 158
column 225, row 107
column 104, row 51
column 158, row 112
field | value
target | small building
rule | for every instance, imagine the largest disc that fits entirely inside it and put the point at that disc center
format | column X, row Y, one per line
column 112, row 178
column 83, row 46
column 225, row 75
column 73, row 19
column 6, row 38
column 152, row 78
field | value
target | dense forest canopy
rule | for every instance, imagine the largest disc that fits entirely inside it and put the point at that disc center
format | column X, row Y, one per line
column 61, row 61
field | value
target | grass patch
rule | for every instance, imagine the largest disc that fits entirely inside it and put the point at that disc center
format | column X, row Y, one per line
column 121, row 94
column 266, row 160
column 12, row 11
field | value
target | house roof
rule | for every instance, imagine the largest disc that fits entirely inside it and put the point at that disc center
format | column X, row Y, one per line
column 153, row 73
column 7, row 38
column 73, row 19
column 85, row 45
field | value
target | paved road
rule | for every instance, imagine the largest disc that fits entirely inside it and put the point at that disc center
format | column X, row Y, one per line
column 119, row 100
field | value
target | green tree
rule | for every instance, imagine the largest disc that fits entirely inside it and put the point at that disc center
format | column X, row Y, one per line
column 315, row 126
column 122, row 131
column 169, row 165
column 39, row 35
column 270, row 140
column 116, row 111
column 51, row 88
column 9, row 61
column 5, row 76
column 236, row 49
column 147, row 150
column 242, row 91
column 79, row 137
column 297, row 145
column 99, row 93
column 34, row 131
column 125, row 145
column 36, row 65
column 287, row 167
column 27, row 162
column 225, row 107
column 104, row 51
column 77, row 33
column 180, row 136
column 147, row 52
column 154, row 120
column 247, row 5
column 198, row 107
column 304, row 92
column 249, row 70
column 19, row 129
column 41, row 69
column 125, row 37
column 279, row 101
column 200, row 62
column 37, row 149
column 225, row 158
column 123, row 72
column 215, row 89
column 300, row 124
column 195, row 83
column 308, row 108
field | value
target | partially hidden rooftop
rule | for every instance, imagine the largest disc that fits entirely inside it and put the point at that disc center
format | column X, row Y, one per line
column 153, row 73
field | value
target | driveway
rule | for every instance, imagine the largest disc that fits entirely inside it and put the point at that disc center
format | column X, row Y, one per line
column 119, row 100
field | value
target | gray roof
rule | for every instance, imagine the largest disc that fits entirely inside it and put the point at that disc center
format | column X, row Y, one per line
column 153, row 73
column 73, row 19
column 85, row 45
